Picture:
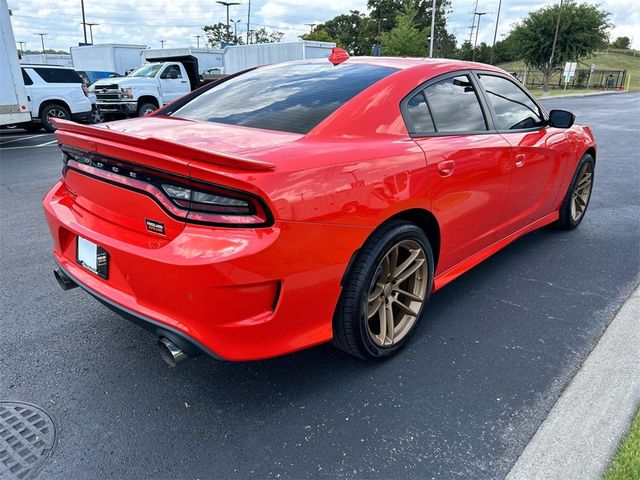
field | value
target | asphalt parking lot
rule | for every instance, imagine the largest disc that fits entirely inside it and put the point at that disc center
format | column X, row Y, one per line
column 461, row 401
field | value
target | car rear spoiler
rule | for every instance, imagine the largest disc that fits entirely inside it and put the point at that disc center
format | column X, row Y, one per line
column 67, row 129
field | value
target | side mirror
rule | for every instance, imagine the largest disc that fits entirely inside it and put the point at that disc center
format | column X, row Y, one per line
column 561, row 118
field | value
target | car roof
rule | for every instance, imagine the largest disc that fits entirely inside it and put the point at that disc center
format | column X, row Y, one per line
column 38, row 65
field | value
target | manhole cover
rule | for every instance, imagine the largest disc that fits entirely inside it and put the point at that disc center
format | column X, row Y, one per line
column 27, row 435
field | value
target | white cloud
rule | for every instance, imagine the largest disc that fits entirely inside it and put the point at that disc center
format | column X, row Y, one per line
column 177, row 21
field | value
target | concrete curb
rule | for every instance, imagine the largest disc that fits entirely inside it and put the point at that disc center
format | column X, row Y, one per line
column 581, row 433
column 589, row 94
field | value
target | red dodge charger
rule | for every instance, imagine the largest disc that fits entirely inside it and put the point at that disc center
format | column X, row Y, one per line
column 311, row 201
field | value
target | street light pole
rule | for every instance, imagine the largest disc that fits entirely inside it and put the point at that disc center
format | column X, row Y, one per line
column 42, row 39
column 311, row 26
column 248, row 21
column 91, row 30
column 162, row 43
column 545, row 83
column 23, row 46
column 433, row 27
column 84, row 22
column 479, row 14
column 197, row 37
column 495, row 33
column 235, row 29
column 227, row 4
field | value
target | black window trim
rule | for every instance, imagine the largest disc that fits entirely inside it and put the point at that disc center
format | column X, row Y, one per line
column 509, row 78
column 488, row 118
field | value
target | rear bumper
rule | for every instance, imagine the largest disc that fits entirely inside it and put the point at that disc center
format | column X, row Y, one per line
column 234, row 293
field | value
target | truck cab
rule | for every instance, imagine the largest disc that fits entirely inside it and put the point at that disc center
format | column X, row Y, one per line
column 144, row 90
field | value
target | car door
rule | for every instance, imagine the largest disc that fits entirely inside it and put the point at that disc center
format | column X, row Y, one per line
column 538, row 151
column 172, row 83
column 468, row 164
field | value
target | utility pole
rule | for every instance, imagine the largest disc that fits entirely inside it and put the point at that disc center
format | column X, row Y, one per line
column 84, row 22
column 251, row 36
column 433, row 28
column 162, row 43
column 42, row 39
column 547, row 73
column 473, row 22
column 248, row 21
column 473, row 55
column 235, row 30
column 227, row 4
column 495, row 33
column 91, row 25
column 311, row 26
column 197, row 37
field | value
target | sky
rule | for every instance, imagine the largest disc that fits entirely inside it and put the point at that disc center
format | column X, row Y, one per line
column 145, row 22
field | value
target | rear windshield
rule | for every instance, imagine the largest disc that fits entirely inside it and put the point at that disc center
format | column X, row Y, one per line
column 58, row 75
column 289, row 98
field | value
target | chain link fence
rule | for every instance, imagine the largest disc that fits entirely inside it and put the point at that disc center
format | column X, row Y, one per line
column 584, row 78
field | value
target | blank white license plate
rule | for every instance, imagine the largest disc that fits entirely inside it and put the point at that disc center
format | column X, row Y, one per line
column 93, row 257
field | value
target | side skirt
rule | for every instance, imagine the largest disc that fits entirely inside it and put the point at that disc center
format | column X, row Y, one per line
column 454, row 272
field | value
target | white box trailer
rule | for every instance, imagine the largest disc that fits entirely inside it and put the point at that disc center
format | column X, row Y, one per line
column 14, row 105
column 61, row 59
column 206, row 58
column 241, row 57
column 107, row 57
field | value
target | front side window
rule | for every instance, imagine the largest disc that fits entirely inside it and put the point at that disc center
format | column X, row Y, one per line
column 288, row 98
column 513, row 108
column 455, row 106
column 58, row 75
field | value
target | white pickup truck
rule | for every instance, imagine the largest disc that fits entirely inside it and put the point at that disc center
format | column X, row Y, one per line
column 144, row 90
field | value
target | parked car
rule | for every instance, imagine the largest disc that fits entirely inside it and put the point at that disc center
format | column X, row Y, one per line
column 54, row 92
column 306, row 202
column 144, row 90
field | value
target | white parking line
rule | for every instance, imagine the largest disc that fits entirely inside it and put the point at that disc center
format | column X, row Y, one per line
column 48, row 144
column 24, row 138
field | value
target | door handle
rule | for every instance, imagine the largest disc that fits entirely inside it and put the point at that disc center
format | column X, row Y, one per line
column 445, row 168
column 520, row 158
column 183, row 81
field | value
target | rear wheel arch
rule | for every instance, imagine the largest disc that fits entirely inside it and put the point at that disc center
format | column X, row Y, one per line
column 46, row 103
column 424, row 219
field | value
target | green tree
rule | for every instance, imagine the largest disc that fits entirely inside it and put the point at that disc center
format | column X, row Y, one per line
column 318, row 35
column 353, row 31
column 406, row 39
column 216, row 34
column 262, row 35
column 621, row 42
column 582, row 32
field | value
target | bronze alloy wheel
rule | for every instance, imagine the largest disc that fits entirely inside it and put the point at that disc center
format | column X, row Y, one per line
column 581, row 192
column 396, row 293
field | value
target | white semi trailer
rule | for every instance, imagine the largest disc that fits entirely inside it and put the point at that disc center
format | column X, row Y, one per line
column 14, row 105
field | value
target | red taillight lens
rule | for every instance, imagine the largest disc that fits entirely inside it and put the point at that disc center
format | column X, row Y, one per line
column 85, row 90
column 180, row 197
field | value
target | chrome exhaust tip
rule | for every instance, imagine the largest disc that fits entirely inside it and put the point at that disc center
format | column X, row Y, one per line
column 63, row 280
column 170, row 352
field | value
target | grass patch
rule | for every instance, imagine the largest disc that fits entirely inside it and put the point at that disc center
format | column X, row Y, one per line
column 626, row 464
column 614, row 59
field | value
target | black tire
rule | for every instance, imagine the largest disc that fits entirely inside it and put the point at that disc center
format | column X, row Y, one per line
column 53, row 110
column 566, row 220
column 96, row 116
column 350, row 332
column 145, row 108
column 32, row 127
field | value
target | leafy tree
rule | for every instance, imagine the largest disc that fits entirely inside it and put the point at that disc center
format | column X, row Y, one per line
column 262, row 35
column 621, row 42
column 318, row 35
column 582, row 32
column 353, row 31
column 216, row 34
column 406, row 39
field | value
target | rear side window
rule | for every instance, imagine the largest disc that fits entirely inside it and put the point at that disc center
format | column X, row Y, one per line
column 513, row 108
column 58, row 75
column 26, row 78
column 418, row 116
column 289, row 98
column 455, row 106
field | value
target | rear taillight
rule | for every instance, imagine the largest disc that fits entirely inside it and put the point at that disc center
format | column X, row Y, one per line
column 85, row 90
column 181, row 197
